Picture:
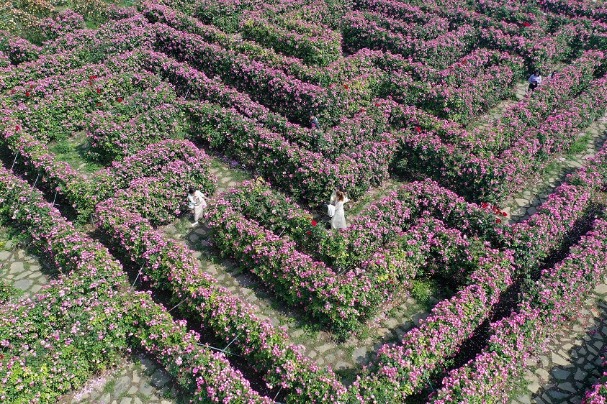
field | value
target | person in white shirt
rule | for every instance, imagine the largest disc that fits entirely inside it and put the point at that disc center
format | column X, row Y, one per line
column 197, row 202
column 534, row 80
column 338, row 221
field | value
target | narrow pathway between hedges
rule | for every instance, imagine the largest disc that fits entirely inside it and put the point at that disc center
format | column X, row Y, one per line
column 345, row 358
column 488, row 118
column 25, row 272
column 572, row 361
column 139, row 380
column 524, row 204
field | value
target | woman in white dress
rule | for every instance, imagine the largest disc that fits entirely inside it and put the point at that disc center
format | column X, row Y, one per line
column 197, row 202
column 338, row 221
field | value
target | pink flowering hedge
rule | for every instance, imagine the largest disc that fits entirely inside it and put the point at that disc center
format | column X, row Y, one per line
column 312, row 43
column 273, row 88
column 485, row 176
column 366, row 124
column 285, row 248
column 401, row 370
column 374, row 227
column 304, row 173
column 18, row 50
column 559, row 292
column 179, row 165
column 597, row 394
column 87, row 320
column 169, row 267
column 438, row 52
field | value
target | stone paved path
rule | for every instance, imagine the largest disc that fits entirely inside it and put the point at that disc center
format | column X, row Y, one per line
column 138, row 381
column 572, row 362
column 495, row 113
column 22, row 270
column 371, row 196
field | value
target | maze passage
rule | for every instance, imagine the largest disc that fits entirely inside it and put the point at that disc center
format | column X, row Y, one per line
column 422, row 119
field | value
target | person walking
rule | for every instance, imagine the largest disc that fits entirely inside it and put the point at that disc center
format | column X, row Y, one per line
column 534, row 80
column 314, row 124
column 196, row 202
column 338, row 221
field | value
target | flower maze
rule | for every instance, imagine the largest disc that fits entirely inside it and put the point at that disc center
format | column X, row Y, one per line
column 438, row 290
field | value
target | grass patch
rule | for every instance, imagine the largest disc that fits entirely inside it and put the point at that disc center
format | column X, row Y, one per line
column 234, row 172
column 424, row 291
column 580, row 145
column 74, row 153
column 109, row 386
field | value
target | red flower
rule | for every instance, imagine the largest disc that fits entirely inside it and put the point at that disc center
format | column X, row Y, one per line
column 31, row 86
column 17, row 128
column 362, row 110
column 498, row 221
column 314, row 223
column 98, row 91
column 526, row 24
column 27, row 93
column 377, row 104
column 484, row 205
column 92, row 78
column 98, row 104
column 308, row 232
column 504, row 214
column 119, row 99
column 464, row 62
column 13, row 91
column 418, row 129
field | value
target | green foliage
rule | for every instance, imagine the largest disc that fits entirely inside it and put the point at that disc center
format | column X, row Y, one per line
column 7, row 291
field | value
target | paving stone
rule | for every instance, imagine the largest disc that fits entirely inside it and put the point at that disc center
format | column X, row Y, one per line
column 542, row 374
column 567, row 387
column 23, row 284
column 146, row 389
column 579, row 375
column 324, row 348
column 601, row 289
column 126, row 400
column 558, row 360
column 4, row 255
column 121, row 386
column 341, row 365
column 359, row 354
column 105, row 399
column 557, row 394
column 160, row 378
column 135, row 377
column 533, row 387
column 147, row 364
column 16, row 267
column 545, row 361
